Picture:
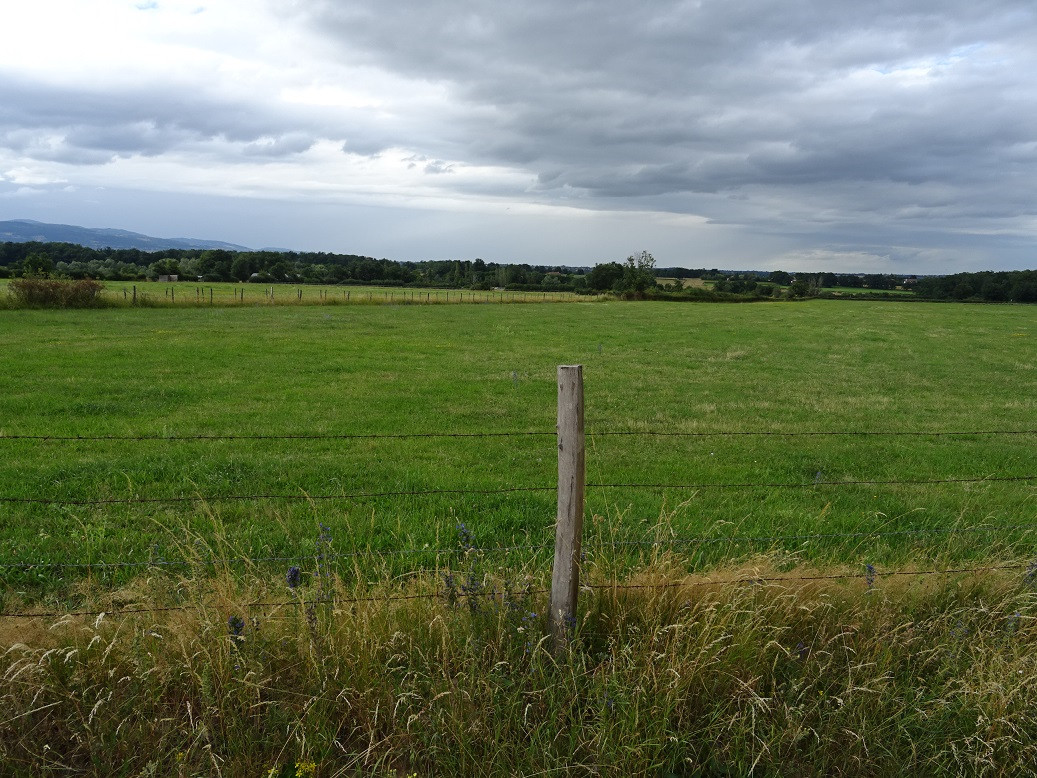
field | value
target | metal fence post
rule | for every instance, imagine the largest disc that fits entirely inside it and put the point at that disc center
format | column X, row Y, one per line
column 565, row 576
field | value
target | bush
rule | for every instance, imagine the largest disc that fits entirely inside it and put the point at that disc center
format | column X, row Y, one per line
column 56, row 293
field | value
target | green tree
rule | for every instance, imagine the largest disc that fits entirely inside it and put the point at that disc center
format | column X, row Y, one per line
column 605, row 276
column 639, row 273
column 242, row 268
column 38, row 265
column 164, row 267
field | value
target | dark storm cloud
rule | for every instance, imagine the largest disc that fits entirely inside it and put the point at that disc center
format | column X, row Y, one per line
column 913, row 109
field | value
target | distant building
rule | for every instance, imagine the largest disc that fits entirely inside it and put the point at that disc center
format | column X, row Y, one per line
column 169, row 278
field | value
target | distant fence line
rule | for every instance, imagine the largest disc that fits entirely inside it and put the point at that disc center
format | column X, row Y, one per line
column 287, row 294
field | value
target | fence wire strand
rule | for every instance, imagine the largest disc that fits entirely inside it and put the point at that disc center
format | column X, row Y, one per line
column 304, row 436
column 506, row 490
column 809, row 484
column 445, row 594
column 590, row 547
column 515, row 434
column 303, row 497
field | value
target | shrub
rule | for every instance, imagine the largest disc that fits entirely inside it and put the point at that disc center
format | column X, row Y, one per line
column 56, row 293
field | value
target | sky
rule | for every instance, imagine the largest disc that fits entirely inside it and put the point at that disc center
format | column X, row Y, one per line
column 893, row 136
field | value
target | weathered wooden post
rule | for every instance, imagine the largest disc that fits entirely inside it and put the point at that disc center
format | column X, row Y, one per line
column 565, row 575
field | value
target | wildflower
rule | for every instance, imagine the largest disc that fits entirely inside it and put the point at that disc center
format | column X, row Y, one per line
column 869, row 575
column 472, row 588
column 802, row 651
column 528, row 621
column 1031, row 574
column 305, row 769
column 236, row 626
column 294, row 577
column 451, row 588
column 465, row 537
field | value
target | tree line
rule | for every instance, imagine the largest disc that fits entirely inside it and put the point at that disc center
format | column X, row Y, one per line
column 1010, row 286
column 69, row 260
column 637, row 276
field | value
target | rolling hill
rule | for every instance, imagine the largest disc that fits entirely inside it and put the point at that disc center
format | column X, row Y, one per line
column 25, row 230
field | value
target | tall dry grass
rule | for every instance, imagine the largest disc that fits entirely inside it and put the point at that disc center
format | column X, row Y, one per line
column 920, row 675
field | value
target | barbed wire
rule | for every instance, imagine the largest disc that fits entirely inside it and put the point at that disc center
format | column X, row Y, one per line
column 871, row 575
column 678, row 541
column 808, row 484
column 217, row 561
column 512, row 434
column 809, row 433
column 756, row 579
column 505, row 490
column 303, row 497
column 345, row 436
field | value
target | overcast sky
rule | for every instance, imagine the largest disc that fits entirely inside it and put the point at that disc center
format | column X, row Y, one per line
column 889, row 136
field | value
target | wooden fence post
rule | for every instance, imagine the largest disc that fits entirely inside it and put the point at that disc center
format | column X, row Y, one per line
column 565, row 575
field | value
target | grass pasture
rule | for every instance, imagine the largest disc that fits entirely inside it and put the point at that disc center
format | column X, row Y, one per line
column 804, row 661
column 855, row 290
column 817, row 367
column 162, row 294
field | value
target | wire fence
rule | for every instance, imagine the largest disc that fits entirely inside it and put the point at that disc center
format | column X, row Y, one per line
column 518, row 434
column 591, row 547
column 448, row 594
column 596, row 546
column 507, row 490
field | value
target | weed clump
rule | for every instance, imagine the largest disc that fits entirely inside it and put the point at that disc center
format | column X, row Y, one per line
column 55, row 293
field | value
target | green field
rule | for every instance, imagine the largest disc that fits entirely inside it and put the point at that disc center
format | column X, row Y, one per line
column 190, row 294
column 841, row 290
column 766, row 646
column 649, row 367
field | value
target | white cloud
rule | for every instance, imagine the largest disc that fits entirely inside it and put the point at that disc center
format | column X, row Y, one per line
column 30, row 176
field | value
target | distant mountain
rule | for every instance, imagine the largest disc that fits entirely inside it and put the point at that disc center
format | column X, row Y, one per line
column 24, row 230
